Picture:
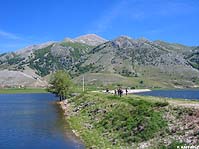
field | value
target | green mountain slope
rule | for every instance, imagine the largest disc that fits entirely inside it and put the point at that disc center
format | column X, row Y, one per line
column 171, row 65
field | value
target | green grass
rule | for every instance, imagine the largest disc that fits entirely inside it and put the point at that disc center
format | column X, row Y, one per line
column 108, row 121
column 22, row 90
column 111, row 81
column 174, row 145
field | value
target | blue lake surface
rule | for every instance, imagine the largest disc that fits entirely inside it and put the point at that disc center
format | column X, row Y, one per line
column 34, row 121
column 185, row 94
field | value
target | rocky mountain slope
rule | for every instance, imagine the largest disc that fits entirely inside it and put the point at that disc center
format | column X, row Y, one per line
column 90, row 39
column 140, row 62
column 20, row 79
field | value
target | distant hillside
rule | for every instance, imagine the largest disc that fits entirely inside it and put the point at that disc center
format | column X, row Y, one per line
column 142, row 62
column 193, row 58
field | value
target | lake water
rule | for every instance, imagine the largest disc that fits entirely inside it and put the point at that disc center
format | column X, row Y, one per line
column 185, row 94
column 33, row 121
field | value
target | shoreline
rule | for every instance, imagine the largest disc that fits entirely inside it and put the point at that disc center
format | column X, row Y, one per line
column 22, row 90
column 130, row 91
column 82, row 126
column 69, row 133
column 64, row 106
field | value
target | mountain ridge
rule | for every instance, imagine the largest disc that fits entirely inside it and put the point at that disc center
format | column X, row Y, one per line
column 172, row 64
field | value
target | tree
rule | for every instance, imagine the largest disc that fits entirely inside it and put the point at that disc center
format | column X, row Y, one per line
column 60, row 84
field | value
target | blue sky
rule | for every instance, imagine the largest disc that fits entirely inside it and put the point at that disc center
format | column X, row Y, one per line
column 26, row 22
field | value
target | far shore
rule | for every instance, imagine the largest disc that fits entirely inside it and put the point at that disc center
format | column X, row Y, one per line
column 22, row 90
column 130, row 91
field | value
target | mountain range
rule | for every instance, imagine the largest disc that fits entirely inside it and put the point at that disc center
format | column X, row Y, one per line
column 136, row 63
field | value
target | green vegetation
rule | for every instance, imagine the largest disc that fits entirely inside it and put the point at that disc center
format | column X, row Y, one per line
column 22, row 90
column 78, row 48
column 110, row 121
column 45, row 62
column 193, row 58
column 174, row 145
column 76, row 45
column 61, row 84
column 15, row 60
column 112, row 81
column 42, row 61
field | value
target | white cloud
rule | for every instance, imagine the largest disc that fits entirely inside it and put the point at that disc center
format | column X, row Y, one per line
column 11, row 42
column 7, row 35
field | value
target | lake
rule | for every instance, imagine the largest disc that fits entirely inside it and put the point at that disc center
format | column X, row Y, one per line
column 34, row 121
column 185, row 94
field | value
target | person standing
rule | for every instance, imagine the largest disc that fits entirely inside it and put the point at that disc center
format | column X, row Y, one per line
column 115, row 92
column 107, row 90
column 126, row 91
column 120, row 92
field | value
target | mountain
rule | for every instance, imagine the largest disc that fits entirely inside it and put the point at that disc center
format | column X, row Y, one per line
column 144, row 59
column 193, row 57
column 90, row 39
column 20, row 79
column 124, row 60
column 25, row 52
column 175, row 47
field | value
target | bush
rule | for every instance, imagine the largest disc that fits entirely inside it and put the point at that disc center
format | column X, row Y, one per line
column 175, row 144
column 161, row 104
column 141, row 82
column 61, row 84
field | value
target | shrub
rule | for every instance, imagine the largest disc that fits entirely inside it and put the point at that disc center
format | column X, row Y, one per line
column 161, row 104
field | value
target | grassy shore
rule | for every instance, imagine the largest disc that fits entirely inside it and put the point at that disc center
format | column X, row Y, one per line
column 108, row 121
column 22, row 90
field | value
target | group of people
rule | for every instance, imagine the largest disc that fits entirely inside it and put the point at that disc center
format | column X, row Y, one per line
column 118, row 91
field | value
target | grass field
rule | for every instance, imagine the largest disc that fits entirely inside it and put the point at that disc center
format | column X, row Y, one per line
column 108, row 121
column 22, row 90
column 152, row 81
